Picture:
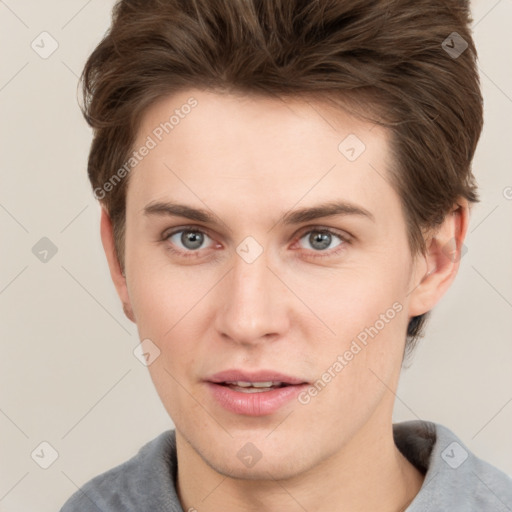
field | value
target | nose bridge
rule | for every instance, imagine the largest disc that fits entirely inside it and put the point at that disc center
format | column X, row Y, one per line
column 252, row 304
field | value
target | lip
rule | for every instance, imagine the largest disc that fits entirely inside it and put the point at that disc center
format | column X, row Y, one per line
column 254, row 404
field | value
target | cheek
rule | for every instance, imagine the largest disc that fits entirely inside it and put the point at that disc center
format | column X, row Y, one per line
column 370, row 334
column 171, row 306
column 166, row 305
column 348, row 300
column 358, row 365
column 163, row 295
column 366, row 311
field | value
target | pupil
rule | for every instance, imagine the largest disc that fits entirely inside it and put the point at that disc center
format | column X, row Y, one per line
column 323, row 239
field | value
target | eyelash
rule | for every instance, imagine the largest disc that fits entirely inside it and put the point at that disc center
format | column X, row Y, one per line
column 320, row 254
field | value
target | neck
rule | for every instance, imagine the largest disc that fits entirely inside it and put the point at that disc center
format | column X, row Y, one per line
column 345, row 481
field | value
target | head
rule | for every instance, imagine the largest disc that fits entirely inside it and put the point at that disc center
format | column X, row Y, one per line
column 256, row 113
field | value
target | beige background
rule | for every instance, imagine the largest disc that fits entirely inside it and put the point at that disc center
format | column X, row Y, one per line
column 67, row 372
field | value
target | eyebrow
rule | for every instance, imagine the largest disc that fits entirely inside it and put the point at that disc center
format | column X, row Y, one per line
column 329, row 209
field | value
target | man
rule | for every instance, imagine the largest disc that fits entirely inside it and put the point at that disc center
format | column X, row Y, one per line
column 285, row 190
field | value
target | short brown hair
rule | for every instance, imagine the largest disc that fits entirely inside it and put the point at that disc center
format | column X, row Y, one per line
column 410, row 64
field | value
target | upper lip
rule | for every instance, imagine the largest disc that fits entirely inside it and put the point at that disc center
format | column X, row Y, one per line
column 253, row 376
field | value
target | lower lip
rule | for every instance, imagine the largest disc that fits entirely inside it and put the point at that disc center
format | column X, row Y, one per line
column 254, row 404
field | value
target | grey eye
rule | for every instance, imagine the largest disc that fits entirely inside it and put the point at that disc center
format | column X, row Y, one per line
column 189, row 239
column 320, row 240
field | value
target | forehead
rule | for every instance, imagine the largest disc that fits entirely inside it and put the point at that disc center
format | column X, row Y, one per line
column 226, row 149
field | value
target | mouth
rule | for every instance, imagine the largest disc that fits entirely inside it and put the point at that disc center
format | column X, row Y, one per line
column 254, row 387
column 254, row 393
column 257, row 379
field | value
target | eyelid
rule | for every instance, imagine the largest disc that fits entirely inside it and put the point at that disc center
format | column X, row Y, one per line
column 185, row 227
column 324, row 229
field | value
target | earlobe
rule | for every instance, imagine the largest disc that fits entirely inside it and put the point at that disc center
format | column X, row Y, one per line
column 116, row 272
column 438, row 267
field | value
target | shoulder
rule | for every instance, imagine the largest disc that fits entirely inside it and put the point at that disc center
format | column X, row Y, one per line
column 455, row 478
column 144, row 482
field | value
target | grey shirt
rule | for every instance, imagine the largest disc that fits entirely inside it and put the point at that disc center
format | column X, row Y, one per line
column 455, row 479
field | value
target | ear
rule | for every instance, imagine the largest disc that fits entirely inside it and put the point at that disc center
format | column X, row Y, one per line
column 436, row 270
column 116, row 273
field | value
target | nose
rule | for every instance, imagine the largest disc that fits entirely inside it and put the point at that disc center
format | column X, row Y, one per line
column 252, row 303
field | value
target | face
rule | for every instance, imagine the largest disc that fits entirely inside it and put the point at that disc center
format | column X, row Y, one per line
column 267, row 262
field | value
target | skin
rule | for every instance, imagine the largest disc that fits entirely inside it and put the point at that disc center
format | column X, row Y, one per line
column 249, row 160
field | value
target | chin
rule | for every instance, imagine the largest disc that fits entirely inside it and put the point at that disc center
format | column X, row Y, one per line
column 263, row 470
column 273, row 462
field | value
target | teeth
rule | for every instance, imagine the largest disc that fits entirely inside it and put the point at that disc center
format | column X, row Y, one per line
column 241, row 384
column 251, row 390
column 264, row 384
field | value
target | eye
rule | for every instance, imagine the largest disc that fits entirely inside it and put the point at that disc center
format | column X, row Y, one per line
column 187, row 240
column 323, row 240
